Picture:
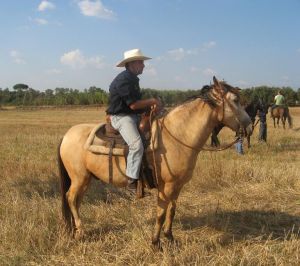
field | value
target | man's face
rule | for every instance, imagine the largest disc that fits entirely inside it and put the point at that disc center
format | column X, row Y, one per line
column 136, row 67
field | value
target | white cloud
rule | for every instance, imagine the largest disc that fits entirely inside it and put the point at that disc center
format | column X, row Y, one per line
column 209, row 72
column 177, row 54
column 208, row 45
column 41, row 21
column 95, row 9
column 17, row 58
column 180, row 53
column 44, row 5
column 75, row 59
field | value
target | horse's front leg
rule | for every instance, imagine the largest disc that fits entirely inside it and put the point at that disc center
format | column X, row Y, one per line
column 162, row 205
column 172, row 191
column 169, row 220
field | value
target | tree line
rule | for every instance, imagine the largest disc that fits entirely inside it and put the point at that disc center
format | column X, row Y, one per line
column 23, row 95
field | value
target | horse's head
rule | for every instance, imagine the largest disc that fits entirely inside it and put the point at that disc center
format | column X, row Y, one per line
column 229, row 110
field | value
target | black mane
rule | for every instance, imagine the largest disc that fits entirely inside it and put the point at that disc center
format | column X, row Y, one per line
column 204, row 95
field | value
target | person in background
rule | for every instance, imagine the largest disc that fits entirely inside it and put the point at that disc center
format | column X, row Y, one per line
column 239, row 144
column 262, row 108
column 279, row 100
column 125, row 106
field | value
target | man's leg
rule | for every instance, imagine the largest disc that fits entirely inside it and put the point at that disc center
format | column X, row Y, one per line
column 260, row 133
column 127, row 126
column 265, row 132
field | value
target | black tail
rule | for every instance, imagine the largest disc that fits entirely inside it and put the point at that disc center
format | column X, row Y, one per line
column 65, row 183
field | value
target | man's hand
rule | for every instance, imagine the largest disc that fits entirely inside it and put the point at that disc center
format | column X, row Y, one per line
column 157, row 106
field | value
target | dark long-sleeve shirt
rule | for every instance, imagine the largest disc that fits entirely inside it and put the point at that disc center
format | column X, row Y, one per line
column 123, row 91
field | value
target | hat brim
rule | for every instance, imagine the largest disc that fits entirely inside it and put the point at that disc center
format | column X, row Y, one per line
column 134, row 58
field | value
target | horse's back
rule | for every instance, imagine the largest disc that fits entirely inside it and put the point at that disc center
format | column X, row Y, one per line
column 278, row 111
column 80, row 130
column 74, row 140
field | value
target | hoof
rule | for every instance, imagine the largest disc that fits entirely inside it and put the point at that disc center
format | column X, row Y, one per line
column 156, row 246
column 79, row 234
column 169, row 236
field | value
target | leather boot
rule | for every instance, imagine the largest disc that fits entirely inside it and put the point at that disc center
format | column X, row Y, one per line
column 132, row 185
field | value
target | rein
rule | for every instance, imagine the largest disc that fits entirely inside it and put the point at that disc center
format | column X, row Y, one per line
column 203, row 148
column 222, row 148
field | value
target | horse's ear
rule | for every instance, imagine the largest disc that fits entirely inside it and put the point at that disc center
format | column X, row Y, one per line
column 216, row 82
column 217, row 85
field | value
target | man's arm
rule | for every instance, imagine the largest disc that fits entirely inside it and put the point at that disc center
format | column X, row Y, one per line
column 141, row 104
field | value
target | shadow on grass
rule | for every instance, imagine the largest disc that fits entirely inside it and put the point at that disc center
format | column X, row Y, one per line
column 296, row 129
column 283, row 147
column 247, row 224
column 50, row 188
column 30, row 187
column 97, row 234
column 100, row 191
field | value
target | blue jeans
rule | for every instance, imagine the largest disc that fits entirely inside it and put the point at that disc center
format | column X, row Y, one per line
column 262, row 131
column 239, row 146
column 127, row 126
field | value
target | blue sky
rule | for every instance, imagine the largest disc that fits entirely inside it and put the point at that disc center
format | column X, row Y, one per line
column 76, row 44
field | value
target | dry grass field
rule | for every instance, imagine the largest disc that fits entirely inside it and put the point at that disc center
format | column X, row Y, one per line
column 237, row 210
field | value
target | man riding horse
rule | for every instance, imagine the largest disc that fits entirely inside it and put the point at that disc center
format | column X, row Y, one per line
column 279, row 100
column 125, row 105
column 280, row 110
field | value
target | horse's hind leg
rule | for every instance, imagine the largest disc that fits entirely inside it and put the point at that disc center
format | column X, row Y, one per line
column 74, row 196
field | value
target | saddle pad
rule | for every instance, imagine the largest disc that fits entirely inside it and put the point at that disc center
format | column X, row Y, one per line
column 98, row 143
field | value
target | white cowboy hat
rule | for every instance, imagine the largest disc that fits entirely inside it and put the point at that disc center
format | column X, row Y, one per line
column 132, row 55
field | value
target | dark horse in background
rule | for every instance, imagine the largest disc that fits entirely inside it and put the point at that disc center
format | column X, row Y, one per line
column 251, row 110
column 281, row 113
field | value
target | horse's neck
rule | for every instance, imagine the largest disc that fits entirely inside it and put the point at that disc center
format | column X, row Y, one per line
column 191, row 123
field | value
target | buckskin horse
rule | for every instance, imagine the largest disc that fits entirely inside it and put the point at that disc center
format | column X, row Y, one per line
column 281, row 113
column 181, row 133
